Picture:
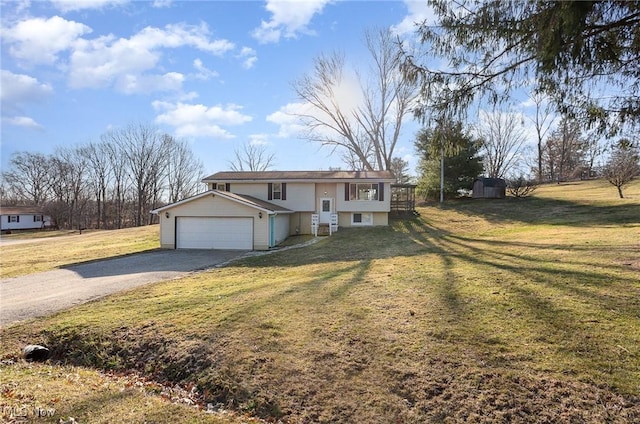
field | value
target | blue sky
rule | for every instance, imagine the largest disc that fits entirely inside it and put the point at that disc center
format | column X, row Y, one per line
column 215, row 73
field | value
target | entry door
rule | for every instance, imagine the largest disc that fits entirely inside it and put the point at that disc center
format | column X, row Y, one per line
column 326, row 208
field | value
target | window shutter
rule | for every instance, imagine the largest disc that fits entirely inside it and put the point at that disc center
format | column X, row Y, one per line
column 346, row 192
column 18, row 218
column 284, row 191
column 270, row 193
column 381, row 192
column 227, row 187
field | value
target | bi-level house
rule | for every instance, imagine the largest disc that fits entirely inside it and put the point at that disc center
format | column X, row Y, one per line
column 259, row 210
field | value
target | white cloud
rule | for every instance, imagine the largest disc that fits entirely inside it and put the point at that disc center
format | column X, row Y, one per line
column 259, row 139
column 131, row 84
column 198, row 120
column 101, row 61
column 23, row 121
column 419, row 11
column 72, row 5
column 287, row 119
column 288, row 19
column 204, row 73
column 249, row 57
column 39, row 40
column 20, row 89
column 348, row 94
column 162, row 3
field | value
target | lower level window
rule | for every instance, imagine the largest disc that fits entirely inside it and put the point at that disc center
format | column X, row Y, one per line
column 362, row 219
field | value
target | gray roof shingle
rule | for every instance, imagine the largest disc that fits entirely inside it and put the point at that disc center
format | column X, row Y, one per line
column 299, row 175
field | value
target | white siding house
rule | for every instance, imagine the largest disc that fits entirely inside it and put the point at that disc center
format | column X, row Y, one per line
column 259, row 210
column 23, row 218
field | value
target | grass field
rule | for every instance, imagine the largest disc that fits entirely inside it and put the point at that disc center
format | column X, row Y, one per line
column 517, row 310
column 63, row 248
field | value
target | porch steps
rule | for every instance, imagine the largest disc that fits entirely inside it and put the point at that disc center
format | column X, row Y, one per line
column 323, row 230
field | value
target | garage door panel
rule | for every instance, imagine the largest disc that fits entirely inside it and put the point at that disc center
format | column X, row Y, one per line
column 214, row 233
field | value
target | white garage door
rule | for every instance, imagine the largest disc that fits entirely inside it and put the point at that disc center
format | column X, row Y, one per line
column 214, row 233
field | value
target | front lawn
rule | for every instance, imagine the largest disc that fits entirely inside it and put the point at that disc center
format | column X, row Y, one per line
column 517, row 310
column 63, row 248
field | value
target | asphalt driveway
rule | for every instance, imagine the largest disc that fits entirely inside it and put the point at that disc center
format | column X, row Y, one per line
column 44, row 293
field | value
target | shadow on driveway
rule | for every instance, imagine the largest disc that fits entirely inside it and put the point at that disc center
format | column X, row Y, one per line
column 183, row 260
column 44, row 293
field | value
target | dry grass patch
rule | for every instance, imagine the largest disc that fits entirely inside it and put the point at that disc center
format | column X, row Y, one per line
column 506, row 311
column 46, row 393
column 45, row 255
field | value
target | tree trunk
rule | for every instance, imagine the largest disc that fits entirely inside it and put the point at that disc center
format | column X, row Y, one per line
column 620, row 192
column 442, row 175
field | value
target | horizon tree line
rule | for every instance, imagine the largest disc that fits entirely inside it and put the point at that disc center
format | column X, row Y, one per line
column 112, row 183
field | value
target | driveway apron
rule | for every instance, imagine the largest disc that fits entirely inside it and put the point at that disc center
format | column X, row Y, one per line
column 44, row 293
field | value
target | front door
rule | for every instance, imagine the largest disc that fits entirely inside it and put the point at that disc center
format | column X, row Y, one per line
column 326, row 207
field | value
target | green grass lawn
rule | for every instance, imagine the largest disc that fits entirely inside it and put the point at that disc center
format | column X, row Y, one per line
column 63, row 248
column 516, row 310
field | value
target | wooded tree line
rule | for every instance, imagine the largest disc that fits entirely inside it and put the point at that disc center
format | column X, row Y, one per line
column 107, row 184
column 495, row 149
column 581, row 56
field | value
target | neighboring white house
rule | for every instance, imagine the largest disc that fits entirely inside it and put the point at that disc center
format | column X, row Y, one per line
column 258, row 210
column 23, row 218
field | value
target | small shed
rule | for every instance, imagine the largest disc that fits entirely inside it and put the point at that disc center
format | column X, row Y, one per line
column 489, row 188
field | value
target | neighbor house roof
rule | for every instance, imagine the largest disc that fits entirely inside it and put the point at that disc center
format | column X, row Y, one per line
column 239, row 198
column 299, row 176
column 20, row 210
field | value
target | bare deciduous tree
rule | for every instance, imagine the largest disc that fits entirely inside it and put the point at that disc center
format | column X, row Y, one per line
column 542, row 121
column 367, row 130
column 502, row 137
column 112, row 183
column 145, row 151
column 69, row 171
column 252, row 157
column 563, row 154
column 29, row 177
column 100, row 174
column 184, row 171
column 623, row 166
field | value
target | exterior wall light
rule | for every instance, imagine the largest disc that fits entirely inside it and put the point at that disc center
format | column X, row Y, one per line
column 166, row 215
column 260, row 215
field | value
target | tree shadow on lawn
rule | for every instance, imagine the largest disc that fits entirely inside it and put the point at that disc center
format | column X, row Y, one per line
column 536, row 210
column 538, row 288
column 324, row 288
column 496, row 312
column 540, row 292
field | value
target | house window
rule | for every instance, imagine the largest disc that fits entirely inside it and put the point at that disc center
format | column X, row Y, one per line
column 221, row 186
column 363, row 192
column 276, row 191
column 37, row 218
column 362, row 219
column 14, row 218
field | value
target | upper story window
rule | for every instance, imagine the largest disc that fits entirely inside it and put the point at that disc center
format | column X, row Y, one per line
column 363, row 192
column 14, row 218
column 276, row 191
column 221, row 186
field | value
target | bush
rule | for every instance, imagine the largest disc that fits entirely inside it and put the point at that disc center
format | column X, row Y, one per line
column 521, row 186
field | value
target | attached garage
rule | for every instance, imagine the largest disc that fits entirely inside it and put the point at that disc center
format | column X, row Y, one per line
column 222, row 220
column 214, row 233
